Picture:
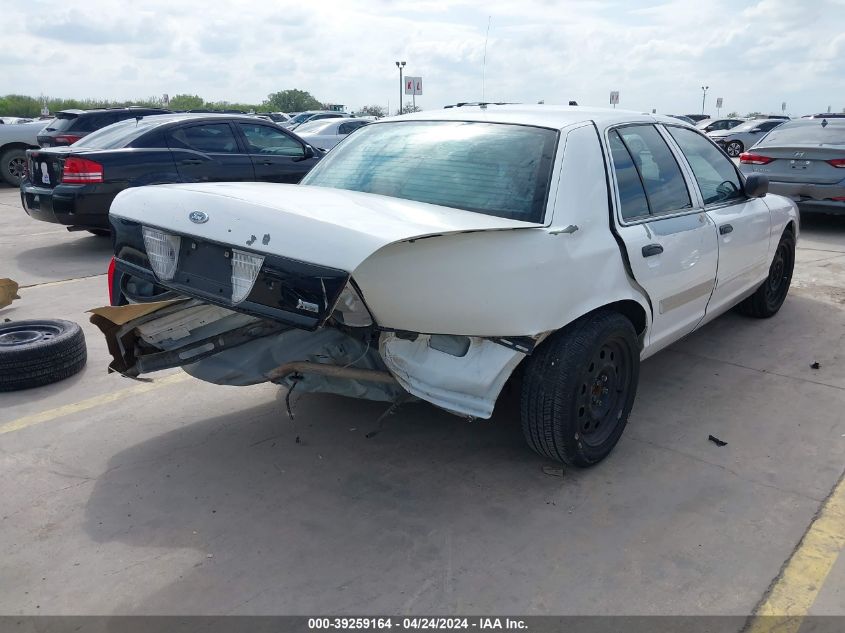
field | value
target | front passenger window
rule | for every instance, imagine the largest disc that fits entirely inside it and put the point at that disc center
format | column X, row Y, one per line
column 713, row 171
column 263, row 139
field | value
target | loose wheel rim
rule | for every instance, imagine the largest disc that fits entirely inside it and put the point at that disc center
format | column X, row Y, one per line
column 14, row 336
column 780, row 275
column 17, row 168
column 602, row 392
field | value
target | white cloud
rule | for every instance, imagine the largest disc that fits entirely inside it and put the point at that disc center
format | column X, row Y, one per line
column 755, row 54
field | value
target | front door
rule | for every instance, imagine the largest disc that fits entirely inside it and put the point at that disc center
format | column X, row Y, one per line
column 209, row 152
column 743, row 224
column 670, row 240
column 276, row 155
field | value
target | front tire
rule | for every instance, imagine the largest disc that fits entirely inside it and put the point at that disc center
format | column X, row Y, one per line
column 579, row 388
column 13, row 166
column 769, row 297
column 734, row 149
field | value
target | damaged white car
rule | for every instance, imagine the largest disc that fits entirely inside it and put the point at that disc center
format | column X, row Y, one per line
column 440, row 255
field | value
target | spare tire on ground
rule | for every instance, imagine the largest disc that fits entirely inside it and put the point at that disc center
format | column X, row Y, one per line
column 39, row 352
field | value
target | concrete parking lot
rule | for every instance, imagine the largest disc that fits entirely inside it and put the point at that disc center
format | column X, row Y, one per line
column 178, row 497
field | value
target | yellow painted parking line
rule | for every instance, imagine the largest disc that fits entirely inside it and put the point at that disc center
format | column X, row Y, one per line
column 801, row 580
column 90, row 403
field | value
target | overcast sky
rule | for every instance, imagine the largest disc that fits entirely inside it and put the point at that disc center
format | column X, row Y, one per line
column 755, row 54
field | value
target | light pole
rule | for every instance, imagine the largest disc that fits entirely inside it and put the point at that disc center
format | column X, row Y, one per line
column 704, row 90
column 400, row 66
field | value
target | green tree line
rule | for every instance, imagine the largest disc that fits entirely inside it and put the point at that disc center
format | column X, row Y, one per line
column 283, row 101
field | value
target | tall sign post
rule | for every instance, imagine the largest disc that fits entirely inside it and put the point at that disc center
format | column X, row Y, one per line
column 400, row 66
column 614, row 98
column 718, row 105
column 413, row 87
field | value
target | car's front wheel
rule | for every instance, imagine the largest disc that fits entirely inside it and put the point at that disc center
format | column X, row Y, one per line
column 734, row 149
column 769, row 297
column 13, row 166
column 578, row 389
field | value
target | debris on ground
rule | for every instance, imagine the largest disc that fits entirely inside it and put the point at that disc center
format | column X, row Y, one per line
column 815, row 365
column 716, row 440
column 8, row 292
column 553, row 471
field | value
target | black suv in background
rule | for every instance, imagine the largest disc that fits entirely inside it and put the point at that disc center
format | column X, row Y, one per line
column 71, row 125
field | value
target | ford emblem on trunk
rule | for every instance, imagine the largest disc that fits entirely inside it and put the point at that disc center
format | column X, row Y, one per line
column 198, row 217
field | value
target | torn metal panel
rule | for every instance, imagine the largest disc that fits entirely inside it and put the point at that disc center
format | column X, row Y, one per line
column 467, row 384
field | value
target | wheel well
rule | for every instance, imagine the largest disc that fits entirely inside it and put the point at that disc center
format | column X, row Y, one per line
column 16, row 145
column 790, row 227
column 632, row 310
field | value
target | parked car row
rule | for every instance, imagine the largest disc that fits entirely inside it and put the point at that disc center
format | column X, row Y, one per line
column 76, row 185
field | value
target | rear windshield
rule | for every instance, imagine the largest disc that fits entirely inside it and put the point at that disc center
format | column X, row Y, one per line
column 802, row 133
column 315, row 127
column 60, row 123
column 117, row 135
column 491, row 168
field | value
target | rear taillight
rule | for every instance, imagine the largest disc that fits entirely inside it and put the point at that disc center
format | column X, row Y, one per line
column 748, row 158
column 81, row 171
column 837, row 162
column 111, row 281
column 68, row 139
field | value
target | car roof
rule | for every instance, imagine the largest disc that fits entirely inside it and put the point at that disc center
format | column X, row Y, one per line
column 550, row 116
column 77, row 111
column 172, row 117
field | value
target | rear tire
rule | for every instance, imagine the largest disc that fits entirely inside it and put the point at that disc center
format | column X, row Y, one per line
column 13, row 166
column 734, row 149
column 39, row 352
column 769, row 297
column 579, row 388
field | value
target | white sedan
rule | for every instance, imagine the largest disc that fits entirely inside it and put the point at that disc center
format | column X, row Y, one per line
column 439, row 256
column 326, row 133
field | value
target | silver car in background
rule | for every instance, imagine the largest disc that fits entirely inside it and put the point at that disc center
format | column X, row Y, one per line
column 738, row 139
column 804, row 160
column 326, row 133
column 715, row 125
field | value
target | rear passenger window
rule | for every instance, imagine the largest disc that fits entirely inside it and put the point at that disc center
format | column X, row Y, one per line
column 713, row 171
column 631, row 193
column 661, row 177
column 213, row 138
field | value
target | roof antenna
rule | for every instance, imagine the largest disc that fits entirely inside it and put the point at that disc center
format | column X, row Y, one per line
column 484, row 60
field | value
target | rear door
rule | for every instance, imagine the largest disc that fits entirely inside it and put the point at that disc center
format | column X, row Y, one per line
column 209, row 152
column 670, row 240
column 276, row 156
column 743, row 224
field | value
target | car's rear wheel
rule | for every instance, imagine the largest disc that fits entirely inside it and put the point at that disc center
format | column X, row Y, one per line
column 578, row 389
column 734, row 148
column 39, row 352
column 13, row 166
column 769, row 297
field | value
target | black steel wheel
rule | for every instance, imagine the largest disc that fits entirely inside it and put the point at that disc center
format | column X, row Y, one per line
column 39, row 352
column 579, row 387
column 769, row 297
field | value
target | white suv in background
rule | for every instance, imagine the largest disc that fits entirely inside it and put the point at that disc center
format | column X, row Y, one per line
column 442, row 254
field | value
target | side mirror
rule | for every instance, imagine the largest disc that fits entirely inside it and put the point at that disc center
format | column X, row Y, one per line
column 756, row 130
column 309, row 151
column 756, row 185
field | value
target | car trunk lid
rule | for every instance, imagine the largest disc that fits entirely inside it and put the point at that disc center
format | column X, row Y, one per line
column 802, row 163
column 329, row 227
column 45, row 167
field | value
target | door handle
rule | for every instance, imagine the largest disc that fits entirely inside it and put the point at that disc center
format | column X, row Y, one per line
column 652, row 249
column 725, row 229
column 192, row 161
